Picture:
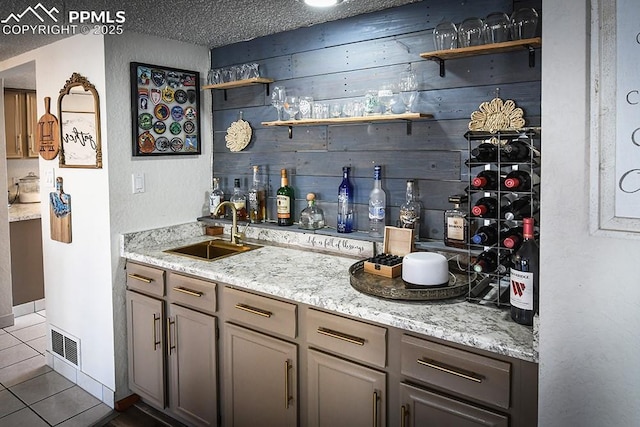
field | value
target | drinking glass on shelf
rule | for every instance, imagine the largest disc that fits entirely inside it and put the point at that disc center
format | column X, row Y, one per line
column 385, row 95
column 214, row 76
column 335, row 110
column 470, row 32
column 278, row 95
column 496, row 28
column 306, row 107
column 254, row 70
column 445, row 36
column 408, row 87
column 371, row 103
column 292, row 106
column 347, row 109
column 358, row 109
column 524, row 23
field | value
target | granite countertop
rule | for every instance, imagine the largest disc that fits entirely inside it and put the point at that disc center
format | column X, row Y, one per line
column 286, row 267
column 24, row 211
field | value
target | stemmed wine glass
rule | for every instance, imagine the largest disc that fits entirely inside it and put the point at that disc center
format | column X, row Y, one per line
column 408, row 88
column 278, row 95
column 292, row 106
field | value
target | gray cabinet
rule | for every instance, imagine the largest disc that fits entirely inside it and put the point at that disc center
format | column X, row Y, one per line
column 424, row 408
column 342, row 393
column 260, row 379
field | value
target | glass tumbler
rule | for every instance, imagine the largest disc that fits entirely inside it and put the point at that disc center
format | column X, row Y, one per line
column 524, row 23
column 306, row 107
column 470, row 32
column 496, row 28
column 445, row 36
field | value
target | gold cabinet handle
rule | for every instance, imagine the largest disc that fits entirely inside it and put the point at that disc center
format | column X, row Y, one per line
column 375, row 408
column 156, row 343
column 466, row 376
column 403, row 416
column 140, row 278
column 188, row 291
column 19, row 143
column 341, row 336
column 169, row 323
column 287, row 397
column 253, row 310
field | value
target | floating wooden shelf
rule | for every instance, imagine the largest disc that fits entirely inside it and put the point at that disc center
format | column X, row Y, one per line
column 485, row 49
column 239, row 83
column 408, row 117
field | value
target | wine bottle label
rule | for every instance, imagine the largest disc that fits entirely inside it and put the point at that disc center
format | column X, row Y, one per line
column 455, row 228
column 283, row 206
column 521, row 289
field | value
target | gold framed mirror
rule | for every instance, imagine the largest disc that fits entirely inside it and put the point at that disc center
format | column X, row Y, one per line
column 79, row 117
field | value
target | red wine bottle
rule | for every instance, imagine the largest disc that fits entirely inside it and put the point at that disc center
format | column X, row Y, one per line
column 518, row 180
column 524, row 293
column 487, row 235
column 485, row 207
column 491, row 262
column 512, row 238
column 487, row 180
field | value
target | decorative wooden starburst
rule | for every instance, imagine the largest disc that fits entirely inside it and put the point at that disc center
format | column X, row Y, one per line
column 497, row 115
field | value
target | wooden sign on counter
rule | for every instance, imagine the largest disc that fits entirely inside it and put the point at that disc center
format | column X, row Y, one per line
column 60, row 213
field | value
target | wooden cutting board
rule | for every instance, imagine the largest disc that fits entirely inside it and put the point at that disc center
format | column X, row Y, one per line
column 60, row 214
column 48, row 133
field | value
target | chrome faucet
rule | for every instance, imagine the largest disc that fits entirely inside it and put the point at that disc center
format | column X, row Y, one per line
column 236, row 236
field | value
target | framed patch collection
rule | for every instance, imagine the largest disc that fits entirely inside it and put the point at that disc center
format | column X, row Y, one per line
column 165, row 110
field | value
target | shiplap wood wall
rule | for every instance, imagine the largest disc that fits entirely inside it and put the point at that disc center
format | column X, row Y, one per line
column 340, row 61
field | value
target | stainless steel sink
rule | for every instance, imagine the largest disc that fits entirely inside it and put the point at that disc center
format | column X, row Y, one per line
column 212, row 249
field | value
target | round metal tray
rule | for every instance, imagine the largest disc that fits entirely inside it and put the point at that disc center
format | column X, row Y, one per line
column 398, row 289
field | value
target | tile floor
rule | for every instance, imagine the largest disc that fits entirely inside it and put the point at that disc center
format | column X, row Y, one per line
column 31, row 393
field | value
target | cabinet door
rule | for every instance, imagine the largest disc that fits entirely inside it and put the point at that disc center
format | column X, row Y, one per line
column 14, row 123
column 31, row 118
column 260, row 379
column 343, row 393
column 421, row 408
column 146, row 347
column 191, row 342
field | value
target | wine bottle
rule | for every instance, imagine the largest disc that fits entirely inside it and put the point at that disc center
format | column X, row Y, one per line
column 239, row 201
column 518, row 180
column 377, row 203
column 216, row 196
column 524, row 277
column 516, row 151
column 491, row 261
column 487, row 180
column 257, row 202
column 520, row 208
column 485, row 207
column 512, row 238
column 485, row 152
column 345, row 203
column 487, row 235
column 284, row 200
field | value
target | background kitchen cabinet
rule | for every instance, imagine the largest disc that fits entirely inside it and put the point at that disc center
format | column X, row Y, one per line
column 260, row 375
column 27, row 276
column 342, row 393
column 20, row 113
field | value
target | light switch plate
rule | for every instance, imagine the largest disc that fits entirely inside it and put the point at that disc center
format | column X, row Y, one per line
column 137, row 180
column 49, row 178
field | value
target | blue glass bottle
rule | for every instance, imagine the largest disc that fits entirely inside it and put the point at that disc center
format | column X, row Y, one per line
column 345, row 203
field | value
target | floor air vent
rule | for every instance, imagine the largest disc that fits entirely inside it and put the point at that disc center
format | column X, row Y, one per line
column 65, row 346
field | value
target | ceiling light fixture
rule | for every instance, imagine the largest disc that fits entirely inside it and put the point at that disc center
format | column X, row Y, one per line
column 322, row 3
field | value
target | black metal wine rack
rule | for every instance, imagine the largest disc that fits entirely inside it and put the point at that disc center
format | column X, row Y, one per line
column 492, row 287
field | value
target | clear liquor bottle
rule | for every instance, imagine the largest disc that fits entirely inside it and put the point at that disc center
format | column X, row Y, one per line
column 257, row 198
column 239, row 201
column 345, row 203
column 216, row 196
column 410, row 211
column 311, row 217
column 377, row 204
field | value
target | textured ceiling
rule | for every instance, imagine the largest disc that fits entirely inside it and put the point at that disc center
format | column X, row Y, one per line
column 210, row 23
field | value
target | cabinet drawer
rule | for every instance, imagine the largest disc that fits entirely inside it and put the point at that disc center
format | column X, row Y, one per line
column 478, row 377
column 191, row 292
column 261, row 312
column 351, row 338
column 145, row 279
